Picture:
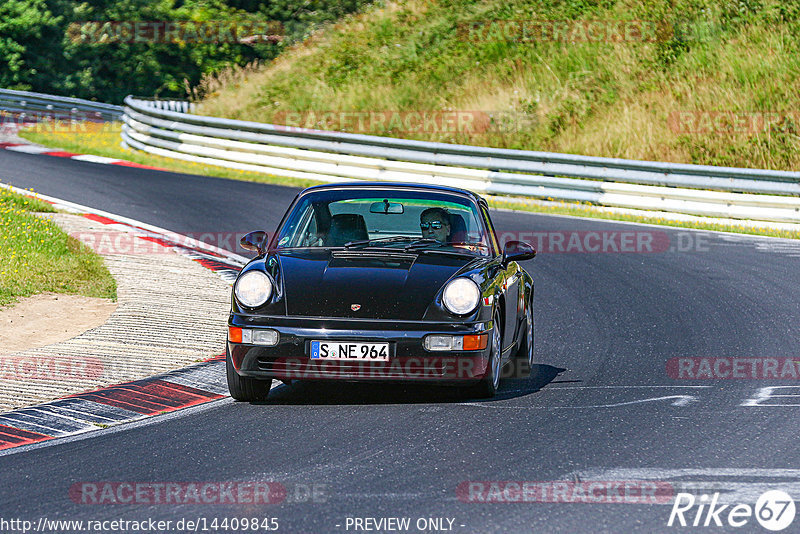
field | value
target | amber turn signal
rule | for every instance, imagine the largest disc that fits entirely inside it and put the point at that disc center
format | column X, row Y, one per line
column 476, row 342
column 234, row 334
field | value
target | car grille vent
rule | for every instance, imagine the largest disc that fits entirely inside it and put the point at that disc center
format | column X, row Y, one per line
column 373, row 254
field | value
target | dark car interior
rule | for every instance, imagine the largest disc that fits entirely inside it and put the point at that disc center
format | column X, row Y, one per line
column 346, row 227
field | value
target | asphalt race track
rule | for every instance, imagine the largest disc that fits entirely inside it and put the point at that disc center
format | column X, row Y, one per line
column 605, row 403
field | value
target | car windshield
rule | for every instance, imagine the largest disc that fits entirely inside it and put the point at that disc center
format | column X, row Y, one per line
column 402, row 219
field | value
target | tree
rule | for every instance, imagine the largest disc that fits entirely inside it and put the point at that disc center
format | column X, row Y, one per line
column 24, row 25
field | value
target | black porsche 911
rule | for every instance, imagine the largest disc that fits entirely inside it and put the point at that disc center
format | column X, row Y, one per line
column 381, row 282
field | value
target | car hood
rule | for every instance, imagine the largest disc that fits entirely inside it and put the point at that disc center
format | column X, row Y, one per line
column 381, row 285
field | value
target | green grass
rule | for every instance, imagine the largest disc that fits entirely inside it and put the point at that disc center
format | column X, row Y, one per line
column 36, row 256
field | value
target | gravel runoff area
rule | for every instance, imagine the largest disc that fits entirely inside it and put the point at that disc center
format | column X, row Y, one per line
column 171, row 312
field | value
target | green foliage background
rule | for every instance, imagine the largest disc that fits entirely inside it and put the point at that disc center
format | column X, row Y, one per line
column 36, row 53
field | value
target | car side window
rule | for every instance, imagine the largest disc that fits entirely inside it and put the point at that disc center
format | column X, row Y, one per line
column 311, row 235
column 492, row 235
column 304, row 233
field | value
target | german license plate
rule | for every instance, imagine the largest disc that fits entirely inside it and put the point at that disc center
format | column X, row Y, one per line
column 347, row 350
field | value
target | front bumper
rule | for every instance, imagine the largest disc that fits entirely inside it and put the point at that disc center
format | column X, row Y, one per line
column 408, row 359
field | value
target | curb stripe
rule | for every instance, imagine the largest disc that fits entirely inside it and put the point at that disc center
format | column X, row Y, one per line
column 209, row 377
column 91, row 158
column 56, row 425
column 121, row 403
column 88, row 158
column 89, row 411
column 204, row 248
column 60, row 154
column 84, row 417
column 190, row 251
column 157, row 240
column 22, row 421
column 193, row 253
column 213, row 264
column 132, row 399
column 150, row 398
column 124, row 163
column 14, row 437
column 28, row 149
column 99, row 218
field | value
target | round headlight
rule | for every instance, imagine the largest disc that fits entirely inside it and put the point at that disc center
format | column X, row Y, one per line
column 461, row 296
column 253, row 288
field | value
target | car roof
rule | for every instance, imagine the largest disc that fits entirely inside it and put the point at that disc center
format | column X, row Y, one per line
column 396, row 186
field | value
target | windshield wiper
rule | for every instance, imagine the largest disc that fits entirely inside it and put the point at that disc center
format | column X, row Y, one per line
column 422, row 243
column 449, row 252
column 367, row 242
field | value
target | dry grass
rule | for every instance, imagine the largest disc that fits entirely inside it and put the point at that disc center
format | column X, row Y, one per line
column 601, row 99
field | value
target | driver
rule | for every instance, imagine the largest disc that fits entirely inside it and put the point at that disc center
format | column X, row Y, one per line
column 435, row 224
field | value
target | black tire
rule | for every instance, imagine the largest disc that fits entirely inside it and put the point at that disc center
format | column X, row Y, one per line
column 523, row 359
column 487, row 387
column 244, row 388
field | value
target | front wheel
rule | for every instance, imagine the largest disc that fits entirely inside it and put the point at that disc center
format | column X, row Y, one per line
column 487, row 387
column 244, row 388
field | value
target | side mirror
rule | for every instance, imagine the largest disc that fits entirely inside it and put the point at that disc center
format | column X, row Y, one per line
column 517, row 251
column 254, row 241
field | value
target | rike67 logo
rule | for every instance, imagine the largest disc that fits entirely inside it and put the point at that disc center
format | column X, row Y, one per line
column 774, row 510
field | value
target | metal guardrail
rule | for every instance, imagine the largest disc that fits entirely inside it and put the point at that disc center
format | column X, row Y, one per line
column 170, row 128
column 38, row 106
column 334, row 156
column 180, row 106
